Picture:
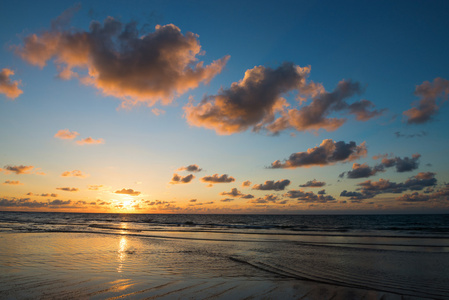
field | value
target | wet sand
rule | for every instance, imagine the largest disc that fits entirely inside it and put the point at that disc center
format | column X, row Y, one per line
column 96, row 266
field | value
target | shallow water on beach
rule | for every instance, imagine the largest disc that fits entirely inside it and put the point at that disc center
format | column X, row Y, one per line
column 52, row 255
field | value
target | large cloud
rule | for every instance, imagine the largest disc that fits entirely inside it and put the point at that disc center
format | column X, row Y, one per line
column 254, row 101
column 440, row 194
column 428, row 106
column 8, row 87
column 272, row 185
column 328, row 153
column 122, row 63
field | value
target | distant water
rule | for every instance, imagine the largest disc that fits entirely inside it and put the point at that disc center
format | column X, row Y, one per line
column 403, row 254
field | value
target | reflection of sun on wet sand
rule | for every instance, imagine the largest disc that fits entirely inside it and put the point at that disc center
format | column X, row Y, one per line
column 98, row 266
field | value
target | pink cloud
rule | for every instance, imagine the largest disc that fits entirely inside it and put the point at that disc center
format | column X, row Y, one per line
column 90, row 141
column 66, row 134
column 8, row 87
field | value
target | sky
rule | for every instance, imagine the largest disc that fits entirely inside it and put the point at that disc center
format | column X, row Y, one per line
column 286, row 107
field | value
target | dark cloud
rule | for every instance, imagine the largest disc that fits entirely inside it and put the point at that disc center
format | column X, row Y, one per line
column 369, row 189
column 328, row 153
column 225, row 178
column 58, row 202
column 19, row 169
column 236, row 193
column 120, row 62
column 402, row 135
column 8, row 87
column 315, row 116
column 21, row 202
column 227, row 200
column 12, row 182
column 68, row 189
column 428, row 105
column 190, row 168
column 363, row 171
column 270, row 198
column 313, row 183
column 272, row 185
column 308, row 197
column 405, row 164
column 180, row 179
column 441, row 194
column 130, row 192
column 254, row 101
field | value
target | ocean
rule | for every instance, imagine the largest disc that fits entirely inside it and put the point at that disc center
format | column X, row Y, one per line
column 80, row 255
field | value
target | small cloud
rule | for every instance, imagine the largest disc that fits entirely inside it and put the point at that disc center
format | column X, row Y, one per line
column 74, row 173
column 193, row 200
column 95, row 187
column 8, row 87
column 328, row 153
column 190, row 168
column 236, row 193
column 58, row 202
column 180, row 179
column 309, row 197
column 313, row 183
column 246, row 183
column 225, row 178
column 13, row 182
column 18, row 169
column 90, row 141
column 272, row 185
column 428, row 106
column 66, row 134
column 68, row 189
column 130, row 192
column 398, row 134
column 227, row 200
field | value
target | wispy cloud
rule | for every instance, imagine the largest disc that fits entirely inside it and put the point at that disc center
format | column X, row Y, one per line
column 18, row 169
column 75, row 173
column 68, row 189
column 13, row 182
column 8, row 87
column 90, row 141
column 121, row 62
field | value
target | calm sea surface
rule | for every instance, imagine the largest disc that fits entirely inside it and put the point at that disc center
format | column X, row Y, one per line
column 401, row 254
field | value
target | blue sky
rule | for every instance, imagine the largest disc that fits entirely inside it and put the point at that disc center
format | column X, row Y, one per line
column 387, row 49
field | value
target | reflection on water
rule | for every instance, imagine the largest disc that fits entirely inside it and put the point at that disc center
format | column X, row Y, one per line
column 122, row 253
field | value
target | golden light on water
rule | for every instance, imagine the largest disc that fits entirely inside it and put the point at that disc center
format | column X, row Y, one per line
column 122, row 253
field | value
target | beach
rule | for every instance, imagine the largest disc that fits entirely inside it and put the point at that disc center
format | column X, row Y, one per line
column 191, row 262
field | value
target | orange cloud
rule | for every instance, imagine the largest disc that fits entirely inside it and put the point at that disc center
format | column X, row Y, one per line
column 95, row 187
column 122, row 63
column 179, row 179
column 13, row 182
column 18, row 169
column 257, row 100
column 8, row 87
column 66, row 134
column 74, row 173
column 130, row 192
column 90, row 141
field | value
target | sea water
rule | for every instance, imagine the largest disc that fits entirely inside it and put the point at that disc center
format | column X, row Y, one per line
column 401, row 254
